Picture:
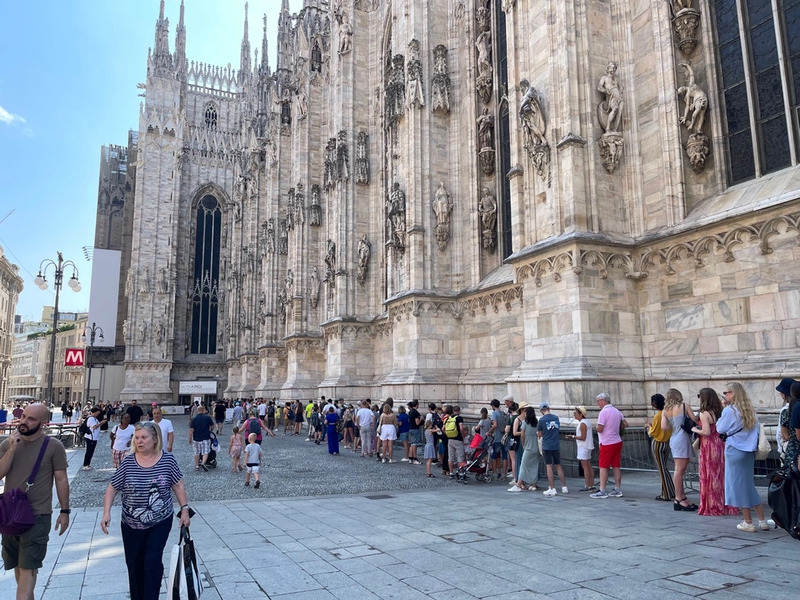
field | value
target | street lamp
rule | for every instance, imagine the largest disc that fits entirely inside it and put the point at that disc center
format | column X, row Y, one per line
column 98, row 331
column 41, row 283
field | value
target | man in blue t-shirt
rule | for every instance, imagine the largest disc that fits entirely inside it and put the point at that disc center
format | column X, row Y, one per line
column 547, row 430
column 200, row 437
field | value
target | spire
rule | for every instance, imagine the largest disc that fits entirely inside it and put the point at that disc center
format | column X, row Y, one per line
column 162, row 58
column 264, row 49
column 284, row 36
column 245, row 67
column 284, row 7
column 180, row 44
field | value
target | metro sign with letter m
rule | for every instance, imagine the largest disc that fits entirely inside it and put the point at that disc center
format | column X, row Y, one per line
column 73, row 357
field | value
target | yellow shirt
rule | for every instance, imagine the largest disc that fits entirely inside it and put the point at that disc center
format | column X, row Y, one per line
column 656, row 432
column 309, row 409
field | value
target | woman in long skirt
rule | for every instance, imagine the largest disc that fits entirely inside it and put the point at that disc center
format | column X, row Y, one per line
column 333, row 436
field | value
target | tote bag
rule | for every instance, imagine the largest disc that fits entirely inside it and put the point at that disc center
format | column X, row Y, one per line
column 184, row 576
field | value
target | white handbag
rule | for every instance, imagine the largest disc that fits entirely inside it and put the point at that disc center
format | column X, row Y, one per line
column 763, row 448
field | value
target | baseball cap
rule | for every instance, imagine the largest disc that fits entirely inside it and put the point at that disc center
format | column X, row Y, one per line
column 544, row 405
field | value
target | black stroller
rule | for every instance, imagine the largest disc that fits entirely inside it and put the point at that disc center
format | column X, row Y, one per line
column 211, row 461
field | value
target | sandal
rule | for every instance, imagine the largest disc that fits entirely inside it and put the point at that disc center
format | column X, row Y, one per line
column 677, row 506
column 430, row 475
column 663, row 499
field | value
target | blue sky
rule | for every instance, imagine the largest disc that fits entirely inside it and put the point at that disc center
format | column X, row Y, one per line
column 68, row 76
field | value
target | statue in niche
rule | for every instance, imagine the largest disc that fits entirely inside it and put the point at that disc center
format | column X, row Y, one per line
column 283, row 302
column 330, row 260
column 364, row 251
column 142, row 331
column 262, row 307
column 396, row 90
column 484, row 45
column 242, row 319
column 696, row 101
column 531, row 118
column 290, row 210
column 299, row 204
column 485, row 130
column 362, row 160
column 698, row 145
column 289, row 282
column 283, row 243
column 440, row 86
column 609, row 115
column 442, row 207
column 144, row 282
column 314, row 288
column 270, row 235
column 610, row 109
column 330, row 164
column 414, row 96
column 159, row 333
column 301, row 98
column 315, row 219
column 487, row 209
column 345, row 33
column 396, row 217
column 163, row 284
column 342, row 161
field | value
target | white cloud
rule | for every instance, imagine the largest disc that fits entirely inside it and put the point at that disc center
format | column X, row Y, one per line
column 9, row 118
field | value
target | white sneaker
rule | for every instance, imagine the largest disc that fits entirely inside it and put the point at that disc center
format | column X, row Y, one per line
column 404, row 460
column 383, row 460
column 390, row 461
column 550, row 492
column 510, row 476
column 766, row 525
column 514, row 488
column 745, row 526
column 564, row 490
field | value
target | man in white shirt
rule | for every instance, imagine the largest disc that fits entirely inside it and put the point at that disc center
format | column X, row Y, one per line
column 167, row 431
column 365, row 423
column 93, row 423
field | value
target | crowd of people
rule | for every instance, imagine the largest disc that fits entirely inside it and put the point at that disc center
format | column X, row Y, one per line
column 513, row 439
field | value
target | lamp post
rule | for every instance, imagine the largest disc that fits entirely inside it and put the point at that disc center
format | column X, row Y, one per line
column 98, row 331
column 41, row 282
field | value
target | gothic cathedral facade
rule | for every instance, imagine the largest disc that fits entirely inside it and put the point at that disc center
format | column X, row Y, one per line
column 461, row 199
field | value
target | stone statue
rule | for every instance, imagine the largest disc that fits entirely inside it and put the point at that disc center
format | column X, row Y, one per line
column 299, row 204
column 144, row 282
column 262, row 307
column 283, row 302
column 696, row 101
column 330, row 260
column 315, row 218
column 440, row 86
column 485, row 130
column 163, row 284
column 142, row 331
column 342, row 160
column 362, row 159
column 531, row 118
column 484, row 45
column 283, row 243
column 290, row 209
column 314, row 288
column 396, row 216
column 125, row 331
column 414, row 96
column 487, row 209
column 364, row 251
column 610, row 109
column 442, row 207
column 345, row 33
column 270, row 235
column 289, row 281
column 159, row 334
column 330, row 164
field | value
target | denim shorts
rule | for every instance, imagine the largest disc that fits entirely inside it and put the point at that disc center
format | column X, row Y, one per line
column 402, row 437
column 499, row 449
column 415, row 436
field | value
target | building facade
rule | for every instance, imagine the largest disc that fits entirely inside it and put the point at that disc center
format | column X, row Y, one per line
column 10, row 289
column 453, row 200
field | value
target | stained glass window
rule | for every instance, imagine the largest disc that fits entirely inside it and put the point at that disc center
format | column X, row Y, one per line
column 205, row 289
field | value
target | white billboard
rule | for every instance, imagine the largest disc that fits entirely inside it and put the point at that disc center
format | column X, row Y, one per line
column 187, row 388
column 104, row 296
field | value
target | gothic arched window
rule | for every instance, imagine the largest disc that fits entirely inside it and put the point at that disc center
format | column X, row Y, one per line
column 759, row 62
column 316, row 58
column 211, row 116
column 205, row 288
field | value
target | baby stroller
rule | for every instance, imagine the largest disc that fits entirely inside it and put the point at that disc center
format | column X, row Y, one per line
column 211, row 461
column 477, row 464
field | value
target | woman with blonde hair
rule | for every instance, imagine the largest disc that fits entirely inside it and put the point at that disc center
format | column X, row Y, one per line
column 712, row 457
column 680, row 444
column 388, row 429
column 739, row 426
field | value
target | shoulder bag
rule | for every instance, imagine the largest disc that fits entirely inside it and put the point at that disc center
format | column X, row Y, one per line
column 763, row 447
column 16, row 512
column 184, row 581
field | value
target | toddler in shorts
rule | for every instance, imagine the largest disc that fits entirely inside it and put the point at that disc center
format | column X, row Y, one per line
column 252, row 458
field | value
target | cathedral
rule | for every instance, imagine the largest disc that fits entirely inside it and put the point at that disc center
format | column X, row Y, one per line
column 463, row 199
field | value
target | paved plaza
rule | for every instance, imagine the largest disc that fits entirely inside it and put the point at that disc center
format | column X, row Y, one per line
column 444, row 542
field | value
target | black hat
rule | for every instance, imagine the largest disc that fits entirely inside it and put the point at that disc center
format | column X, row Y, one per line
column 785, row 386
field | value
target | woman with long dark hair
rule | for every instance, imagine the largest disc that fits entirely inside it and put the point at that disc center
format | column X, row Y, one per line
column 659, row 444
column 528, row 475
column 712, row 457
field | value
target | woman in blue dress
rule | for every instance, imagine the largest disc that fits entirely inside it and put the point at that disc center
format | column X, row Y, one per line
column 333, row 436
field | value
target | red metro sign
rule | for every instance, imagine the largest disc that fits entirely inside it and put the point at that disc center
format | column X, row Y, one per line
column 73, row 357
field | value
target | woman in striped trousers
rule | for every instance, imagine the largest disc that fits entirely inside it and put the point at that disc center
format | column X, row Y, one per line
column 660, row 446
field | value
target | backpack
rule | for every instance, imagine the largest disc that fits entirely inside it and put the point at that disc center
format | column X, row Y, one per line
column 290, row 415
column 253, row 426
column 315, row 419
column 270, row 412
column 83, row 428
column 451, row 428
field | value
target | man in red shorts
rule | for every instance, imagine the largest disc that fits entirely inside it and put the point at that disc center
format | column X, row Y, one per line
column 610, row 423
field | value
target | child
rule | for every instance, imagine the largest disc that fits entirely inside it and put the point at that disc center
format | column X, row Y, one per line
column 235, row 450
column 430, row 450
column 252, row 455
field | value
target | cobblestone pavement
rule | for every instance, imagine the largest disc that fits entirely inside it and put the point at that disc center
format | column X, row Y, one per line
column 290, row 467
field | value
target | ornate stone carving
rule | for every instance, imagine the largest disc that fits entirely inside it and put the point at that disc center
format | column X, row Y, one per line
column 609, row 114
column 283, row 242
column 142, row 331
column 269, row 235
column 283, row 302
column 129, row 284
column 342, row 159
column 163, row 283
column 330, row 269
column 484, row 83
column 290, row 209
column 160, row 331
column 367, row 5
column 534, row 126
column 698, row 145
column 362, row 158
column 487, row 209
column 262, row 307
column 414, row 95
column 289, row 283
column 364, row 252
column 483, row 16
column 486, row 141
column 299, row 204
column 313, row 295
column 329, row 180
column 396, row 90
column 315, row 210
column 440, row 84
column 685, row 22
column 125, row 332
column 442, row 206
column 144, row 281
column 345, row 33
column 508, row 5
column 396, row 217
